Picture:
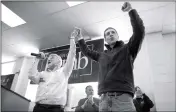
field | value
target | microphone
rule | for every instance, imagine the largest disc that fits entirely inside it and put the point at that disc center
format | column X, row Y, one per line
column 74, row 107
column 34, row 54
column 40, row 55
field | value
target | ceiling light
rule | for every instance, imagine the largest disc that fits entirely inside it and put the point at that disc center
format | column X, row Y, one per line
column 10, row 18
column 73, row 3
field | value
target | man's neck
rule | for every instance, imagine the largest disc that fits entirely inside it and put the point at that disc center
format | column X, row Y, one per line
column 112, row 45
column 89, row 95
column 52, row 69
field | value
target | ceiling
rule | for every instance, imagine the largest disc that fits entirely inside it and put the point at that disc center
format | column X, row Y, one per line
column 48, row 24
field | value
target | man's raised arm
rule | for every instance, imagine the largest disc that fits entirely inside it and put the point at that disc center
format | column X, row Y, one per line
column 83, row 46
column 34, row 75
column 138, row 30
column 68, row 67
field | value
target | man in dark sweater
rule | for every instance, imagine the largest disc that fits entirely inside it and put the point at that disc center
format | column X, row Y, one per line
column 89, row 104
column 116, row 83
column 141, row 101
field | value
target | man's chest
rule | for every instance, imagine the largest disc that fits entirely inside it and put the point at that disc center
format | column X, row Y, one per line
column 114, row 55
column 141, row 102
column 51, row 77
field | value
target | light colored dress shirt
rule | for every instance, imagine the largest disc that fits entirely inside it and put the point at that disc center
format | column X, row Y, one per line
column 52, row 87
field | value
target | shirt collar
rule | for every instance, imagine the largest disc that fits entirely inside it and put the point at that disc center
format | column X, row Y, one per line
column 53, row 70
column 117, row 44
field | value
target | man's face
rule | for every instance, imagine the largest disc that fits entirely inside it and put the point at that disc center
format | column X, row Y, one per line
column 89, row 90
column 54, row 60
column 111, row 36
column 138, row 93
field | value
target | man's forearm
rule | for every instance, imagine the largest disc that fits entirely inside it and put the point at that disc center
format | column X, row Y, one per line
column 33, row 69
column 95, row 106
column 83, row 47
column 79, row 109
column 148, row 100
column 33, row 72
column 138, row 33
column 72, row 46
column 136, row 22
column 70, row 58
column 88, row 52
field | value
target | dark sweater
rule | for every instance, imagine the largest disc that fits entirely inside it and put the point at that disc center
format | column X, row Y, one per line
column 143, row 104
column 89, row 107
column 116, row 65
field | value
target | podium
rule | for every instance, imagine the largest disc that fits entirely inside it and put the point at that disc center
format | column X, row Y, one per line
column 12, row 101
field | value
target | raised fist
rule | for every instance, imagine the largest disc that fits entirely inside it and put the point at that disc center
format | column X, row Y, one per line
column 73, row 35
column 126, row 7
column 78, row 33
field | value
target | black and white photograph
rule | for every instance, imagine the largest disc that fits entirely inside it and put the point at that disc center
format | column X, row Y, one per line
column 88, row 56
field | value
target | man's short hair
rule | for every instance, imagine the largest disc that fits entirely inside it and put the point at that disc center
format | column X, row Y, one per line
column 87, row 87
column 137, row 87
column 56, row 55
column 108, row 29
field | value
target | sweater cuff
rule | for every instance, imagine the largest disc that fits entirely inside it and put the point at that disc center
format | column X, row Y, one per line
column 132, row 12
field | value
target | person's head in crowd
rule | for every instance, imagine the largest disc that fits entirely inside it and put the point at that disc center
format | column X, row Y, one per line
column 138, row 92
column 111, row 35
column 89, row 90
column 54, row 62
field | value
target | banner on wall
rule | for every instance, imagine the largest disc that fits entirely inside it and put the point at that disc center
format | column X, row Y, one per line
column 85, row 69
column 6, row 80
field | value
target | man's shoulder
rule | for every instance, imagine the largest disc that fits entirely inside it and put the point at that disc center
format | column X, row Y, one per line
column 60, row 70
column 82, row 100
column 96, row 99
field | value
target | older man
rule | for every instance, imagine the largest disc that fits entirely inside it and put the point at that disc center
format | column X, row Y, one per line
column 52, row 90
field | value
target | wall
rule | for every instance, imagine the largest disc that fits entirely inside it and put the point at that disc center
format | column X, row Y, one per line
column 154, row 70
column 7, row 68
column 143, row 72
column 20, row 82
column 17, row 68
column 161, row 50
column 31, row 95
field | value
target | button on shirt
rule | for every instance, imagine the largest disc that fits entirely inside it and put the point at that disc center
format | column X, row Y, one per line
column 53, row 87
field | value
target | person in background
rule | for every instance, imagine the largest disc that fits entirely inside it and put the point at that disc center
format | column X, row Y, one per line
column 115, row 79
column 89, row 103
column 141, row 101
column 52, row 90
